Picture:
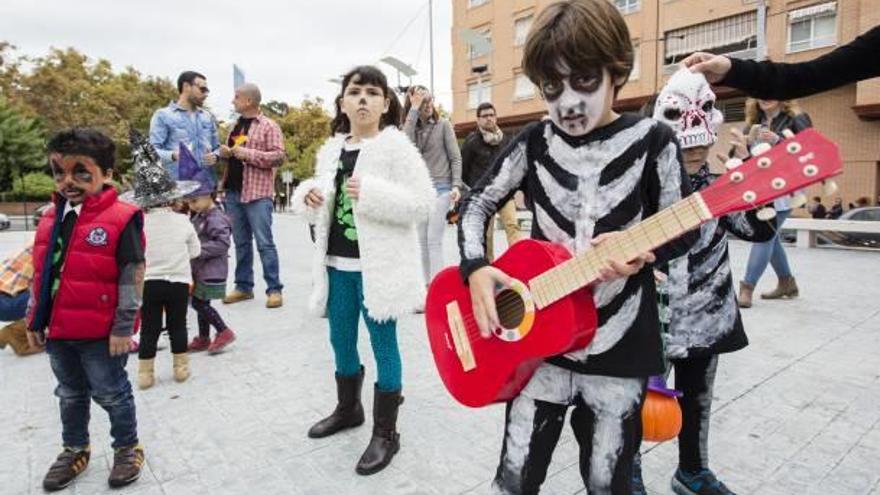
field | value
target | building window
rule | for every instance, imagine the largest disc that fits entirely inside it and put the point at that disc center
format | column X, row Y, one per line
column 478, row 92
column 628, row 6
column 476, row 3
column 523, row 89
column 733, row 109
column 521, row 28
column 475, row 51
column 637, row 62
column 733, row 36
column 812, row 27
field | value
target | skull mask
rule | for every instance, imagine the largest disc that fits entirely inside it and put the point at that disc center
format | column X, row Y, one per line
column 687, row 104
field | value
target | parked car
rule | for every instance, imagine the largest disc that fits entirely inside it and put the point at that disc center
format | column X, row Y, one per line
column 4, row 221
column 38, row 213
column 863, row 239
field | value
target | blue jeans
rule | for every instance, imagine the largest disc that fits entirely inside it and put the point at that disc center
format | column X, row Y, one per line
column 771, row 252
column 345, row 304
column 249, row 221
column 85, row 370
column 13, row 307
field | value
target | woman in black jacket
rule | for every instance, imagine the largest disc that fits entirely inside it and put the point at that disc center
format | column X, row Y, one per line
column 765, row 122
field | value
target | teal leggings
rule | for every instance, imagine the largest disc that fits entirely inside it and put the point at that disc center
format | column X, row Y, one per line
column 344, row 306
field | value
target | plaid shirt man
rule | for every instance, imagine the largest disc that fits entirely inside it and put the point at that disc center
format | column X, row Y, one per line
column 17, row 271
column 265, row 151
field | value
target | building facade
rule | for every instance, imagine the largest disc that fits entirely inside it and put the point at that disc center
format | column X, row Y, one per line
column 488, row 38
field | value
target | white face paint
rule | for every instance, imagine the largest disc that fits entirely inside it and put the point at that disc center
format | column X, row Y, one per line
column 579, row 102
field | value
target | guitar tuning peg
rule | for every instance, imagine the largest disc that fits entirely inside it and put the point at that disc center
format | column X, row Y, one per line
column 760, row 149
column 732, row 163
column 829, row 187
column 798, row 200
column 765, row 214
column 787, row 134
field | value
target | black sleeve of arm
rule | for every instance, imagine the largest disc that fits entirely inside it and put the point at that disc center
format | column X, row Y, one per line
column 849, row 63
column 667, row 184
column 131, row 247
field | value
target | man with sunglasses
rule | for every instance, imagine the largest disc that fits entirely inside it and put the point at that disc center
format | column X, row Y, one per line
column 186, row 121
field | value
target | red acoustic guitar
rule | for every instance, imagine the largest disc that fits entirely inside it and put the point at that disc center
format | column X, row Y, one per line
column 549, row 309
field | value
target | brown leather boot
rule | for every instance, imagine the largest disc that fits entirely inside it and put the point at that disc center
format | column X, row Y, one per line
column 15, row 334
column 385, row 441
column 785, row 289
column 745, row 295
column 349, row 411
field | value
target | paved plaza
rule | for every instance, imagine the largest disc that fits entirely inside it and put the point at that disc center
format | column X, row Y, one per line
column 796, row 412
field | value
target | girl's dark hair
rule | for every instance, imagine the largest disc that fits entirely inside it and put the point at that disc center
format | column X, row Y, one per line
column 407, row 104
column 366, row 74
column 87, row 142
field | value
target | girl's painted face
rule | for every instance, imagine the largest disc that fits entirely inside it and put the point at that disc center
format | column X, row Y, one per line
column 364, row 104
column 76, row 176
column 578, row 102
column 201, row 203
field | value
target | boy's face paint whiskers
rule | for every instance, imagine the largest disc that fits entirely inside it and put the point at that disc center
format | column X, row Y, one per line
column 578, row 103
column 76, row 176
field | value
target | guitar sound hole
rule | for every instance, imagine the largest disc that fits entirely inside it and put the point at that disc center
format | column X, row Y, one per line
column 511, row 308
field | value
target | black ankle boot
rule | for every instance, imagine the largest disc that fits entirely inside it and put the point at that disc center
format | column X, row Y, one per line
column 386, row 441
column 349, row 410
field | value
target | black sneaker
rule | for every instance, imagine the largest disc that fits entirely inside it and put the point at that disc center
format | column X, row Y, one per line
column 69, row 464
column 703, row 482
column 127, row 464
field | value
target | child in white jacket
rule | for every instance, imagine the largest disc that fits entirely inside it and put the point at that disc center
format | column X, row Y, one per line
column 371, row 188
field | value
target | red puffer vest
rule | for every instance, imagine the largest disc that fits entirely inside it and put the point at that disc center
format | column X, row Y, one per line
column 85, row 305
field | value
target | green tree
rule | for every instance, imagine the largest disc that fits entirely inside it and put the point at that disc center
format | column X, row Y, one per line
column 22, row 143
column 305, row 128
column 66, row 89
column 34, row 186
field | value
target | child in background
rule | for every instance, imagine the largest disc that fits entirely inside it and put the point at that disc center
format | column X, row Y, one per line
column 211, row 267
column 171, row 243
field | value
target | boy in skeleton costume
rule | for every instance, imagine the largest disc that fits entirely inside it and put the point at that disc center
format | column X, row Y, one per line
column 586, row 173
column 704, row 316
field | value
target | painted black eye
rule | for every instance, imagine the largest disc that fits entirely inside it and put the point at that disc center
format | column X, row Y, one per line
column 708, row 106
column 551, row 89
column 672, row 114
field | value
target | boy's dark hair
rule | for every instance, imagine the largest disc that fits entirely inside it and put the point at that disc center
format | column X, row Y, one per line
column 187, row 77
column 87, row 142
column 485, row 106
column 584, row 34
column 366, row 74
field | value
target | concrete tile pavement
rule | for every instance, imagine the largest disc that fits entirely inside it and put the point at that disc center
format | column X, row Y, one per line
column 795, row 412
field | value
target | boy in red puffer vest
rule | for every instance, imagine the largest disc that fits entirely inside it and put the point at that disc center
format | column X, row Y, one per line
column 88, row 280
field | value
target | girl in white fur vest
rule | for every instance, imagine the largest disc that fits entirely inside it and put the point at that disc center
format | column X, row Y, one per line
column 370, row 190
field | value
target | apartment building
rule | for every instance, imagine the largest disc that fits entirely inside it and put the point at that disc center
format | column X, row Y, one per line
column 488, row 38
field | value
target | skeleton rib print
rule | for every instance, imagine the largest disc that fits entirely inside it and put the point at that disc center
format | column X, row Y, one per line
column 578, row 188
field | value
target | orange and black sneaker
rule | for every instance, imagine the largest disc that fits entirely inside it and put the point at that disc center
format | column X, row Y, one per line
column 127, row 464
column 66, row 468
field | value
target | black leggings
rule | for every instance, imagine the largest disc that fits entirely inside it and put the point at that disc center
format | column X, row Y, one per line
column 207, row 316
column 168, row 297
column 695, row 378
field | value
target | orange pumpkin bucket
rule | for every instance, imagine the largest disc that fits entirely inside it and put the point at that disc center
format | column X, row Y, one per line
column 661, row 414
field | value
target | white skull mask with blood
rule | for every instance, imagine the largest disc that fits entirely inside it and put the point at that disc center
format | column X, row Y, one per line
column 687, row 104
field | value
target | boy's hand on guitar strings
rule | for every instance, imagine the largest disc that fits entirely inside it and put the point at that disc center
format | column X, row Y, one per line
column 482, row 283
column 615, row 269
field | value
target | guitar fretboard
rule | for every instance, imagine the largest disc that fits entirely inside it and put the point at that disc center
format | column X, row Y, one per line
column 649, row 234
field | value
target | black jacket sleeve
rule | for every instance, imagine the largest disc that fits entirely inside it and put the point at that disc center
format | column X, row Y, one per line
column 849, row 63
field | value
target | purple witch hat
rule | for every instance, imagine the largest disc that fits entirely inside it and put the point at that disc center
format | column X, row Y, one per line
column 657, row 384
column 189, row 169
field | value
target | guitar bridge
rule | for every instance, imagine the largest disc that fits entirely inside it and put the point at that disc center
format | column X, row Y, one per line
column 460, row 339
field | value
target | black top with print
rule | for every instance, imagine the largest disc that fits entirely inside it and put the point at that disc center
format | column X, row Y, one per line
column 343, row 240
column 235, row 171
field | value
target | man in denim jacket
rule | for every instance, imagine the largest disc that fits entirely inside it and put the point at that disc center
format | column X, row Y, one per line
column 185, row 121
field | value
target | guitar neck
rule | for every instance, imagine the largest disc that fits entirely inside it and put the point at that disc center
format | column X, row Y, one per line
column 649, row 234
